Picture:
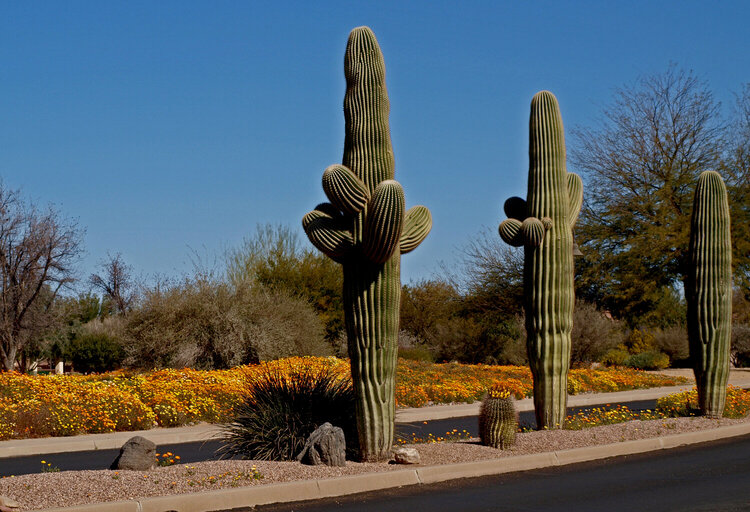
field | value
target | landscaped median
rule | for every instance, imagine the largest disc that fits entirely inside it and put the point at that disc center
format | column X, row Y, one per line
column 37, row 406
column 221, row 485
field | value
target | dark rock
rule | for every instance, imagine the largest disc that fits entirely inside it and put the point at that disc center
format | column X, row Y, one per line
column 326, row 445
column 138, row 453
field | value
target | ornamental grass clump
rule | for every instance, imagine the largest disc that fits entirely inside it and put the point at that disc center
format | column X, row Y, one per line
column 282, row 409
column 498, row 420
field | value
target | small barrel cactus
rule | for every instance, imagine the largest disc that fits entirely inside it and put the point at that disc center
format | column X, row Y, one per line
column 543, row 225
column 708, row 292
column 366, row 228
column 498, row 420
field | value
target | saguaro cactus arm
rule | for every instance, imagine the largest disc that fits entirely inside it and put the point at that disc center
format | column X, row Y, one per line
column 384, row 221
column 575, row 197
column 344, row 189
column 327, row 233
column 417, row 224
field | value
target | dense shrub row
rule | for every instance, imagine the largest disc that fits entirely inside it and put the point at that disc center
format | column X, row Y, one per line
column 67, row 405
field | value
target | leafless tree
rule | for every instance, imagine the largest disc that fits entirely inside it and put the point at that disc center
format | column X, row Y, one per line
column 37, row 251
column 116, row 283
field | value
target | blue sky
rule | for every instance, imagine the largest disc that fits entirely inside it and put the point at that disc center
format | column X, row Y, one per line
column 169, row 127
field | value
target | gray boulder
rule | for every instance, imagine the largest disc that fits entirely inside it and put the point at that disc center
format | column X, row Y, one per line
column 138, row 453
column 8, row 505
column 326, row 445
column 406, row 455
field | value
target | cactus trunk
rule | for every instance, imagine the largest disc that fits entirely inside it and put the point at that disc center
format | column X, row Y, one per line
column 366, row 229
column 543, row 225
column 709, row 292
column 372, row 295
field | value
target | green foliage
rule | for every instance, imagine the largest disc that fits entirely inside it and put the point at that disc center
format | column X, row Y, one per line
column 639, row 340
column 96, row 353
column 615, row 356
column 649, row 360
column 273, row 258
column 280, row 412
column 640, row 163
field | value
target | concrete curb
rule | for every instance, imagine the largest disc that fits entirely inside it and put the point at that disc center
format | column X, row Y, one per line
column 316, row 489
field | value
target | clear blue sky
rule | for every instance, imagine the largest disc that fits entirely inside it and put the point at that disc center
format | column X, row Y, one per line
column 176, row 125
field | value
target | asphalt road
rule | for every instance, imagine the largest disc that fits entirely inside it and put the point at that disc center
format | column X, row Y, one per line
column 201, row 451
column 711, row 477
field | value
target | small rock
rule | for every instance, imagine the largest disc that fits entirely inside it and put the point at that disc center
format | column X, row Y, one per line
column 326, row 445
column 138, row 453
column 8, row 505
column 406, row 455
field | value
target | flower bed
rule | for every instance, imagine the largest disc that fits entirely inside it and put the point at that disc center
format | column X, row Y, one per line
column 34, row 406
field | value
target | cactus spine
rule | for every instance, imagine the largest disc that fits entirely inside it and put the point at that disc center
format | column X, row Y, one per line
column 543, row 225
column 709, row 292
column 365, row 228
column 498, row 421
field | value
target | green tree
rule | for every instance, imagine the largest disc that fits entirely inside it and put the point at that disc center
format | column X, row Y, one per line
column 640, row 165
column 274, row 258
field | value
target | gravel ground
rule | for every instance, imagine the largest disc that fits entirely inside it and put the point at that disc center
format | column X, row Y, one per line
column 67, row 488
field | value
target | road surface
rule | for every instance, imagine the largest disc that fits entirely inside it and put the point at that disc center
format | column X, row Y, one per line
column 713, row 477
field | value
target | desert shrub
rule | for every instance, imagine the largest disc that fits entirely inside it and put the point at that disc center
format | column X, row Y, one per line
column 95, row 352
column 276, row 258
column 418, row 353
column 615, row 356
column 410, row 347
column 740, row 352
column 281, row 410
column 594, row 334
column 639, row 340
column 206, row 323
column 673, row 341
column 649, row 360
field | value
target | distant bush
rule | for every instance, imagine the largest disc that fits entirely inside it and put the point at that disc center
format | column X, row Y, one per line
column 95, row 352
column 205, row 323
column 650, row 360
column 410, row 347
column 639, row 340
column 673, row 341
column 740, row 352
column 594, row 334
column 615, row 356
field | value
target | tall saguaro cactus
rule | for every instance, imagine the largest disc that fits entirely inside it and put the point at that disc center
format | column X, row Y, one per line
column 709, row 292
column 543, row 224
column 365, row 228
